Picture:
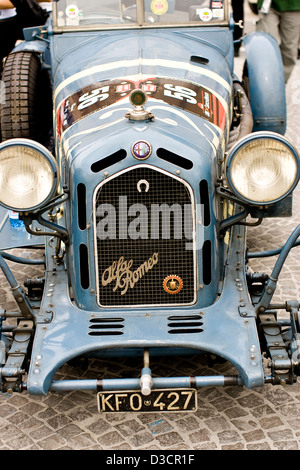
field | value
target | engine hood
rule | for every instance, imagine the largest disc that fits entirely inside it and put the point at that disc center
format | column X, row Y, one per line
column 186, row 77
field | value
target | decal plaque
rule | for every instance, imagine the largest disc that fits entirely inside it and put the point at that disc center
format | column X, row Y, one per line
column 188, row 96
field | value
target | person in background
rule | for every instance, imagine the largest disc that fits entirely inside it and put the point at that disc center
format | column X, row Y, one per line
column 281, row 19
column 10, row 27
column 238, row 16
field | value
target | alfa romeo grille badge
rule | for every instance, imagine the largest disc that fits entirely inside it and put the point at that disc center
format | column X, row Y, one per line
column 141, row 150
column 172, row 284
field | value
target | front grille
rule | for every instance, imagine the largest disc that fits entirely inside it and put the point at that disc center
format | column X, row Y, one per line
column 143, row 220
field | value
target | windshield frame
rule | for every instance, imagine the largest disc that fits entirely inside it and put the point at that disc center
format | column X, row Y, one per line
column 139, row 24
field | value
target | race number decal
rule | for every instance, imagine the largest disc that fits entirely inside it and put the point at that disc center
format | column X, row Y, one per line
column 182, row 94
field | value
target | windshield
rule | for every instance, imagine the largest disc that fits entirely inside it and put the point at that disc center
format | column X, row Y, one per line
column 87, row 14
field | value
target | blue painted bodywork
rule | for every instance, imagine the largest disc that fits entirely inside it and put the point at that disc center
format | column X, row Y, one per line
column 78, row 60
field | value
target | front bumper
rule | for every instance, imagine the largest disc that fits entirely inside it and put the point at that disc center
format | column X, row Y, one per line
column 228, row 329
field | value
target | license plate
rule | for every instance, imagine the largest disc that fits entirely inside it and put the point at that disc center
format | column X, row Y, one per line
column 158, row 401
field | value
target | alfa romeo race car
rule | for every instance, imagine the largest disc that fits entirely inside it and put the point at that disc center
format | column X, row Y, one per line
column 134, row 156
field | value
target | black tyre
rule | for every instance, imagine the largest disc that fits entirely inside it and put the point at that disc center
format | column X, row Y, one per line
column 27, row 108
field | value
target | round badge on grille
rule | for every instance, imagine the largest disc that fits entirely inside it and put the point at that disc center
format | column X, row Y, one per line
column 141, row 150
column 172, row 284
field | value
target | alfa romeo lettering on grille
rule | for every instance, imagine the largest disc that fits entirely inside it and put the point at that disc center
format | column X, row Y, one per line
column 120, row 272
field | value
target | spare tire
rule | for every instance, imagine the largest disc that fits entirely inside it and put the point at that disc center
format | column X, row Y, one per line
column 27, row 107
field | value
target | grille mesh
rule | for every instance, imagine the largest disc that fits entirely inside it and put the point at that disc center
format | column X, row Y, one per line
column 129, row 230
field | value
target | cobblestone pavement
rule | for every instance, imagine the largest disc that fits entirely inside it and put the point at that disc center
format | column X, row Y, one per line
column 227, row 418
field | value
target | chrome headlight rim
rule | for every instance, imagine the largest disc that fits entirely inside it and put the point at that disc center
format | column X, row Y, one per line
column 52, row 163
column 255, row 136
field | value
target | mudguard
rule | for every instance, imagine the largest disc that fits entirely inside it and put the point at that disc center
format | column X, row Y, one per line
column 36, row 43
column 264, row 79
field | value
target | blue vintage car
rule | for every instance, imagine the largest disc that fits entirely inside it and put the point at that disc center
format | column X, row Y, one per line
column 135, row 156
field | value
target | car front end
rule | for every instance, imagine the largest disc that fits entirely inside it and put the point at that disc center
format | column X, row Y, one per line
column 143, row 203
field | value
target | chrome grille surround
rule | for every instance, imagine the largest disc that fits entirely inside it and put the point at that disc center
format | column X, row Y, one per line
column 150, row 261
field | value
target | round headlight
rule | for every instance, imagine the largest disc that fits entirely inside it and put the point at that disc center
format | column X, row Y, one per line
column 28, row 175
column 263, row 168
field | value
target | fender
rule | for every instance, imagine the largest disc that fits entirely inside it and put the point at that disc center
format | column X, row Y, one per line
column 36, row 43
column 264, row 81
